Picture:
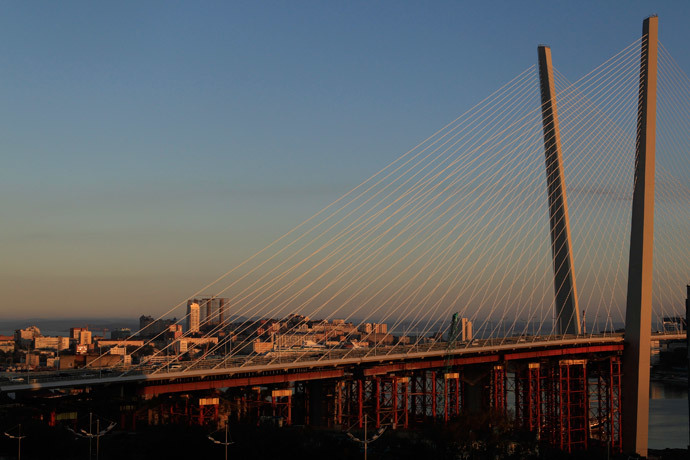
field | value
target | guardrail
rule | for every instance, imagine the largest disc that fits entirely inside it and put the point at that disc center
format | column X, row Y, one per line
column 312, row 358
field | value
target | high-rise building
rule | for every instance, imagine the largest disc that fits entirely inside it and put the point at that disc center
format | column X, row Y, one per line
column 121, row 334
column 145, row 321
column 75, row 332
column 466, row 332
column 85, row 337
column 365, row 328
column 380, row 328
column 150, row 327
column 213, row 308
column 193, row 312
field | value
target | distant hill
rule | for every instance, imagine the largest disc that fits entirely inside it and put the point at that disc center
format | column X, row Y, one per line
column 61, row 326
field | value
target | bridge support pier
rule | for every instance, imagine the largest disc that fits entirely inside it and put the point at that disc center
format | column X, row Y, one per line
column 498, row 389
column 606, row 426
column 571, row 403
column 207, row 414
column 281, row 405
column 574, row 405
column 418, row 397
column 528, row 413
column 451, row 385
column 385, row 400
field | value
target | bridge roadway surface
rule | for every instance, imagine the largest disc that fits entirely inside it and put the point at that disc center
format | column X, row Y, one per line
column 313, row 365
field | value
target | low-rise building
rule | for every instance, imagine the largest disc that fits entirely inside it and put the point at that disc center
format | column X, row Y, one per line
column 51, row 343
column 376, row 328
column 118, row 351
column 378, row 339
column 187, row 343
column 261, row 347
column 6, row 343
column 120, row 343
column 282, row 341
column 95, row 361
column 26, row 336
column 32, row 360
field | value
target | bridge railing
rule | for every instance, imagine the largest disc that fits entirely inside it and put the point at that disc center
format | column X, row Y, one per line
column 10, row 380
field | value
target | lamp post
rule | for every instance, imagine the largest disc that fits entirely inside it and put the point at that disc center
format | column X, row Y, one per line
column 225, row 444
column 97, row 434
column 19, row 438
column 365, row 442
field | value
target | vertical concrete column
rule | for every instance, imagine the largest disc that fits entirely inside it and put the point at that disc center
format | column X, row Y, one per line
column 638, row 315
column 567, row 313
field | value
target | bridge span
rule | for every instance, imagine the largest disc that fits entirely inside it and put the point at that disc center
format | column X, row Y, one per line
column 214, row 373
column 458, row 227
column 565, row 388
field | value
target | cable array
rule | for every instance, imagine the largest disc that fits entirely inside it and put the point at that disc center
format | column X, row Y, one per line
column 672, row 214
column 460, row 224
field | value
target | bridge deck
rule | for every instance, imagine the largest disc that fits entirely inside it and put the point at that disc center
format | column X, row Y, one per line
column 328, row 364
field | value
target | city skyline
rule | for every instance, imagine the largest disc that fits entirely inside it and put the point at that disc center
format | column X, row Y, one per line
column 153, row 148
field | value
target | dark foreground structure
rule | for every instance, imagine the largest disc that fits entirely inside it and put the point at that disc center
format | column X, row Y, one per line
column 503, row 403
column 480, row 437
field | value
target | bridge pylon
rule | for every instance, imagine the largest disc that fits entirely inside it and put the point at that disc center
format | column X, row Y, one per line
column 638, row 315
column 567, row 312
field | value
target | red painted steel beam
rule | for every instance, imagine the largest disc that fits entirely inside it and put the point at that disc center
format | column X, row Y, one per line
column 158, row 389
column 563, row 351
column 413, row 366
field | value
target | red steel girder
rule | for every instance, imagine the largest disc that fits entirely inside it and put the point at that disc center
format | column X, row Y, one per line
column 206, row 384
column 428, row 364
column 163, row 388
column 564, row 351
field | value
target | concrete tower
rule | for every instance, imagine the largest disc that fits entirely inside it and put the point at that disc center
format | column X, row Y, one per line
column 638, row 314
column 567, row 313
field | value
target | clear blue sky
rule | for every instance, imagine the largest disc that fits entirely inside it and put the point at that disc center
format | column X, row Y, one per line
column 149, row 146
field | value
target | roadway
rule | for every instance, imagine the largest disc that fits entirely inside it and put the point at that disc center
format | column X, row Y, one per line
column 247, row 366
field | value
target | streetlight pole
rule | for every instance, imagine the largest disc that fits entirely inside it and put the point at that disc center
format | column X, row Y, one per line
column 90, row 434
column 226, row 441
column 98, row 437
column 366, row 441
column 19, row 438
column 90, row 424
column 225, row 444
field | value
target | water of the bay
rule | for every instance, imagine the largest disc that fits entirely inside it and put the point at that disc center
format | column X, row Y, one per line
column 668, row 416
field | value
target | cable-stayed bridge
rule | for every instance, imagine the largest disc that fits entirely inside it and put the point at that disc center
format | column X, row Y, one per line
column 491, row 266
